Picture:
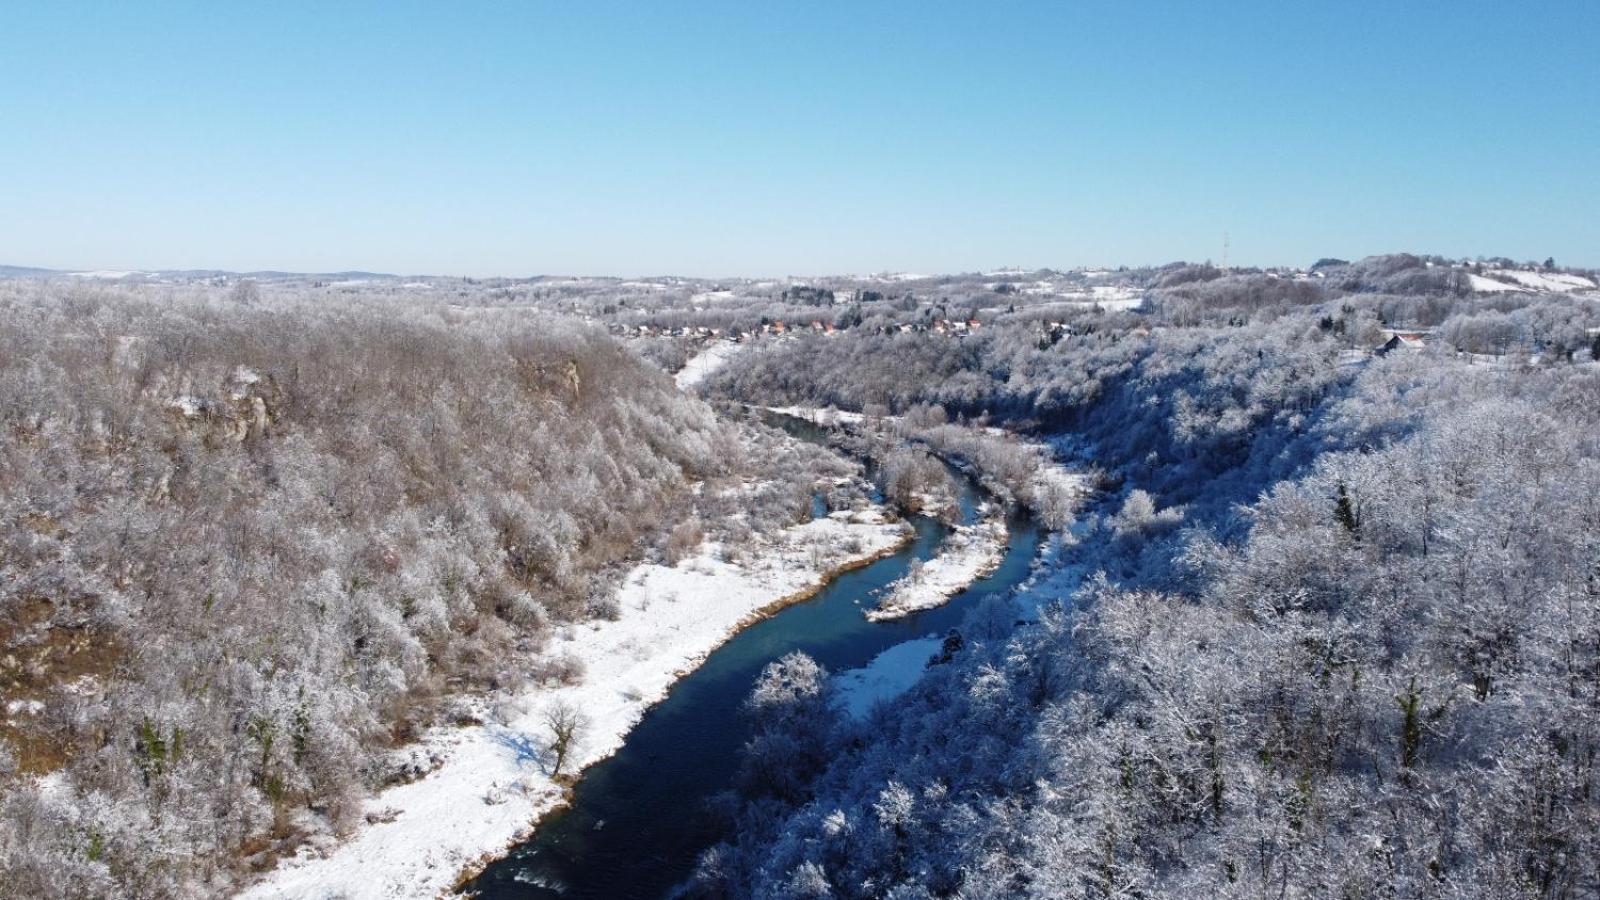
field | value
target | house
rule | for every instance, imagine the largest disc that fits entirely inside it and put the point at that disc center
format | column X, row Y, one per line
column 1401, row 340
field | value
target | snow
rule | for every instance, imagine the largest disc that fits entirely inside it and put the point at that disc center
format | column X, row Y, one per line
column 816, row 416
column 1547, row 281
column 1057, row 576
column 890, row 674
column 897, row 669
column 185, row 404
column 488, row 786
column 938, row 504
column 1488, row 285
column 107, row 275
column 1109, row 297
column 24, row 707
column 969, row 553
column 705, row 362
column 1116, row 297
column 1054, row 478
column 1525, row 280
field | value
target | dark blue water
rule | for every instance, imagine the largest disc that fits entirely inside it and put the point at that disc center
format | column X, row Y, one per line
column 640, row 819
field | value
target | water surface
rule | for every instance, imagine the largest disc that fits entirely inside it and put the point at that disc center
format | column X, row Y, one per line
column 640, row 819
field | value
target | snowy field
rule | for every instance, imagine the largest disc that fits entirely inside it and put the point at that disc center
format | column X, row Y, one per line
column 969, row 553
column 489, row 783
column 704, row 363
column 712, row 298
column 1500, row 280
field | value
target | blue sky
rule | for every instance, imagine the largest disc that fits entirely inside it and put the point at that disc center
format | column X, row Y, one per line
column 789, row 138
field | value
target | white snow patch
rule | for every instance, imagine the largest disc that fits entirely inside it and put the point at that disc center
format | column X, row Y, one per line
column 1058, row 492
column 824, row 416
column 1526, row 280
column 1488, row 285
column 1109, row 297
column 969, row 553
column 1116, row 297
column 24, row 707
column 705, row 362
column 1547, row 281
column 107, row 274
column 890, row 674
column 185, row 404
column 491, row 786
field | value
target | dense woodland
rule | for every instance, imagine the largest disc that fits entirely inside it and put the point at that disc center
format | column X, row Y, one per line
column 253, row 538
column 1333, row 628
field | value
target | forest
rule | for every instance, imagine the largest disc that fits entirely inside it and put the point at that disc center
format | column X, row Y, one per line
column 1328, row 624
column 251, row 541
column 1331, row 628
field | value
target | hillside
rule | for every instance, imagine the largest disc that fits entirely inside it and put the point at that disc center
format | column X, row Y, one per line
column 1332, row 627
column 251, row 545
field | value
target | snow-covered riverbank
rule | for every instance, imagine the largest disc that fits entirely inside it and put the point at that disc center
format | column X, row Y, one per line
column 489, row 783
column 969, row 553
column 890, row 674
column 705, row 362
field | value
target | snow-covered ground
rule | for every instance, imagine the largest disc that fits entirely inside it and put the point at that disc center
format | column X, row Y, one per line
column 828, row 416
column 492, row 783
column 705, row 362
column 106, row 275
column 1525, row 280
column 890, row 674
column 1116, row 297
column 1547, row 281
column 898, row 669
column 940, row 504
column 1053, row 477
column 969, row 553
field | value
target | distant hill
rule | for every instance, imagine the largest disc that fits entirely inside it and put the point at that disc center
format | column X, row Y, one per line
column 25, row 272
column 193, row 274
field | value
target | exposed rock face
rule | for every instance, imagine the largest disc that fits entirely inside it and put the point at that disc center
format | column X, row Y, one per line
column 247, row 405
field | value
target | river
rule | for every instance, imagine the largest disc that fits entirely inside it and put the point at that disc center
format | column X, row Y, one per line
column 639, row 819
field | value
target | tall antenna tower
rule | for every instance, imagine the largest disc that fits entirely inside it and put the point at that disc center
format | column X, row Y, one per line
column 1224, row 251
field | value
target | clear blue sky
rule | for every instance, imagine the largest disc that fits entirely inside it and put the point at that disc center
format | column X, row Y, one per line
column 792, row 138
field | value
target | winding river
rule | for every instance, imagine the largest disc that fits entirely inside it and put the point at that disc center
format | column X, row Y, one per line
column 639, row 819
